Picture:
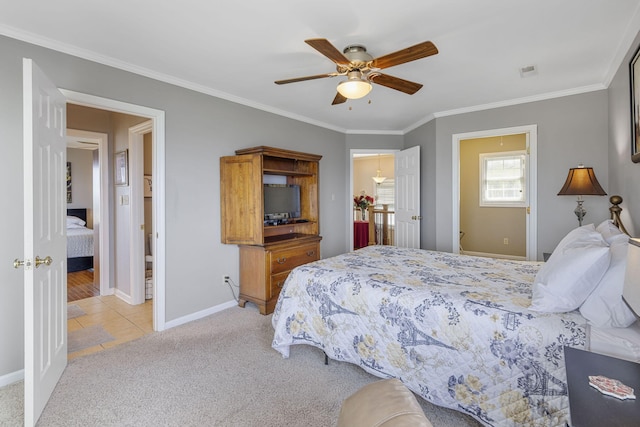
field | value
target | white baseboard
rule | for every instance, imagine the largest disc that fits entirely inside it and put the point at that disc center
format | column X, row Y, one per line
column 200, row 314
column 124, row 297
column 501, row 256
column 11, row 378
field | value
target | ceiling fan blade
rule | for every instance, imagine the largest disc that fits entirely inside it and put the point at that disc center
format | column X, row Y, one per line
column 339, row 99
column 301, row 79
column 327, row 49
column 396, row 83
column 421, row 50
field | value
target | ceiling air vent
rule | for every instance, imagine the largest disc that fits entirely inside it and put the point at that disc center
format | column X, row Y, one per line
column 528, row 71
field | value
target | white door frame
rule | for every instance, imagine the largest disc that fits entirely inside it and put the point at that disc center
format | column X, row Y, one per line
column 531, row 132
column 352, row 154
column 102, row 214
column 137, row 233
column 158, row 142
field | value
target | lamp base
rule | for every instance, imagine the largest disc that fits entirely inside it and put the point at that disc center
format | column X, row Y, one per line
column 580, row 212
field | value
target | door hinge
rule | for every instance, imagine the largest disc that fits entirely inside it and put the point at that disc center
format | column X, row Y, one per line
column 528, row 210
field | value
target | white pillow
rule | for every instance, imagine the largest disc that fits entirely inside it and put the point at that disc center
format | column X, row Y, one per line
column 605, row 307
column 74, row 220
column 608, row 230
column 572, row 272
column 72, row 226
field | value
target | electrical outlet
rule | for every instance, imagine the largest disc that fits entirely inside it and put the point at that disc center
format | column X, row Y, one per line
column 225, row 278
column 506, row 240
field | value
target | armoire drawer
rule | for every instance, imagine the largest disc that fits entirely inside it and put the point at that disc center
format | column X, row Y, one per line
column 277, row 282
column 286, row 259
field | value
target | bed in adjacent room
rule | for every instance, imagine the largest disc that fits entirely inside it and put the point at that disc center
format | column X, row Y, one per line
column 79, row 241
column 479, row 335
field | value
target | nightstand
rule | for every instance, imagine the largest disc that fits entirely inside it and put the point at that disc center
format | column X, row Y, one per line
column 588, row 406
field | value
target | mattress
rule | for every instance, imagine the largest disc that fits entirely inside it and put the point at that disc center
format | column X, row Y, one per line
column 79, row 242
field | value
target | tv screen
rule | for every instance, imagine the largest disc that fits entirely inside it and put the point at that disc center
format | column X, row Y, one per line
column 281, row 201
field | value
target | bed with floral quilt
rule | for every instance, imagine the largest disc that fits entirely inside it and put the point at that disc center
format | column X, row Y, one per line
column 455, row 329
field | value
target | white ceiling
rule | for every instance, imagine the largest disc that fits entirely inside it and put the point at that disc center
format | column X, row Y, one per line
column 236, row 50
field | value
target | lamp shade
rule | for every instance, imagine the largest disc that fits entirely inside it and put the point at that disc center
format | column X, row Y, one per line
column 581, row 181
column 631, row 290
column 355, row 87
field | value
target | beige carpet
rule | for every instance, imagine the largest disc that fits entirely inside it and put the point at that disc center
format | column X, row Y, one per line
column 217, row 371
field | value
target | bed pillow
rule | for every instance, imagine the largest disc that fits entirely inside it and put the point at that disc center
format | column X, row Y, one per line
column 572, row 272
column 608, row 230
column 604, row 307
column 74, row 220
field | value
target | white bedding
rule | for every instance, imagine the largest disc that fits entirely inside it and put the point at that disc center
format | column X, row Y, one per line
column 79, row 242
column 623, row 343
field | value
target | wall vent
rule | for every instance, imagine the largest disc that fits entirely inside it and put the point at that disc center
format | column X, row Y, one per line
column 528, row 71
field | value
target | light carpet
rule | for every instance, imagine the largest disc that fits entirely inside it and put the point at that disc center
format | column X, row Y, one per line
column 74, row 311
column 216, row 371
column 87, row 337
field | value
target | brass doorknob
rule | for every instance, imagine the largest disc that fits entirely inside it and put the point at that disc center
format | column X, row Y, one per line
column 47, row 261
column 17, row 263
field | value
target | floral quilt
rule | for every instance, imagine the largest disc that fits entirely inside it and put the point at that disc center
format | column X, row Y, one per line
column 455, row 329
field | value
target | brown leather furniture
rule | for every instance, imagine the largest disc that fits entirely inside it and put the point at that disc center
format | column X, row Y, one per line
column 385, row 403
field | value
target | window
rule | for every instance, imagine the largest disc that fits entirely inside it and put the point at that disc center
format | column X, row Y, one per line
column 502, row 179
column 385, row 192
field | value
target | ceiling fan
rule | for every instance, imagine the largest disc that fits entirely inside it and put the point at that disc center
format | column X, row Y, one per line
column 362, row 69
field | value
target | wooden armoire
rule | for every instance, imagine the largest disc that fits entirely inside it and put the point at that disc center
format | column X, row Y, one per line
column 268, row 252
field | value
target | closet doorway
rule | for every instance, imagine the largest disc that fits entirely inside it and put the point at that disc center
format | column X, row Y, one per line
column 490, row 219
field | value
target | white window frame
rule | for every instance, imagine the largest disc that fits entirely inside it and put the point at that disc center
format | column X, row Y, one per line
column 387, row 186
column 484, row 157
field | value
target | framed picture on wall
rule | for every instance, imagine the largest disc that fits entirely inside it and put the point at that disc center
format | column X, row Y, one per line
column 121, row 168
column 634, row 73
column 69, row 198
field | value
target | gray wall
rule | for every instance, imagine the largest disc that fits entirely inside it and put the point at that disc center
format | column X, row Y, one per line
column 425, row 137
column 571, row 130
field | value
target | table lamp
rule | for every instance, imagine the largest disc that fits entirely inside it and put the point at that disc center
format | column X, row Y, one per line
column 581, row 181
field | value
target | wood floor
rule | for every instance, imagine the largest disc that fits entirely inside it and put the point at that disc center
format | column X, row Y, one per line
column 80, row 285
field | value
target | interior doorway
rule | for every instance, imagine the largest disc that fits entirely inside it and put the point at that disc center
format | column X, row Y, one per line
column 372, row 175
column 472, row 191
column 156, row 120
column 90, row 169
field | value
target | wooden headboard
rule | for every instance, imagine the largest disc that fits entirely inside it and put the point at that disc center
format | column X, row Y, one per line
column 78, row 212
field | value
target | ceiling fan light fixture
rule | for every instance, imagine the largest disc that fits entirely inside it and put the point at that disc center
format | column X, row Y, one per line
column 355, row 87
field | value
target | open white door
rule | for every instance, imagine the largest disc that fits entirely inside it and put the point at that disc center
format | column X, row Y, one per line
column 45, row 245
column 407, row 171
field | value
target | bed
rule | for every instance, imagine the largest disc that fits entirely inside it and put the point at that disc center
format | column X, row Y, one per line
column 79, row 241
column 457, row 330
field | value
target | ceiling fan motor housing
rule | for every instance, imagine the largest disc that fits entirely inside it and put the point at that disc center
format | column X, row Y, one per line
column 358, row 55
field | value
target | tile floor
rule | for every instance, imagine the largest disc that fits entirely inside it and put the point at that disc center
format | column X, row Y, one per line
column 123, row 321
